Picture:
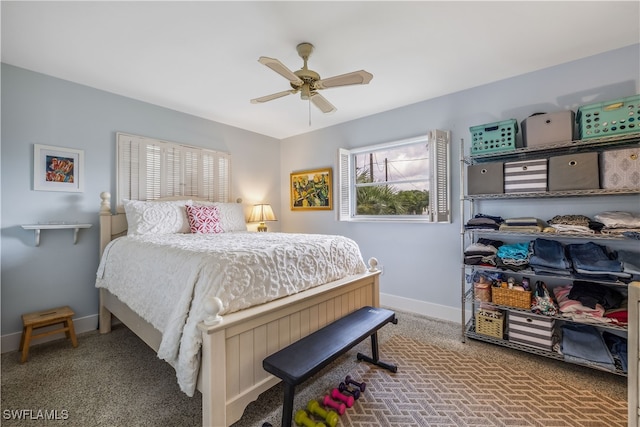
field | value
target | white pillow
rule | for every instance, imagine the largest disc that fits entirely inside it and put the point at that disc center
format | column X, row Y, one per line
column 231, row 215
column 156, row 217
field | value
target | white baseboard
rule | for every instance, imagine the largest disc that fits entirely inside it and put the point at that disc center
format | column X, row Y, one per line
column 422, row 308
column 11, row 342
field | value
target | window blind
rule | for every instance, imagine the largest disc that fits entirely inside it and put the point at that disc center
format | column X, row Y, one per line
column 149, row 169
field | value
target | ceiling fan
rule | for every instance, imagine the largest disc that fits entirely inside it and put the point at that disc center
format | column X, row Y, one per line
column 308, row 82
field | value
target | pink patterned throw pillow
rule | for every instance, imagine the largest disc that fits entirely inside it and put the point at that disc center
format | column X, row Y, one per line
column 204, row 219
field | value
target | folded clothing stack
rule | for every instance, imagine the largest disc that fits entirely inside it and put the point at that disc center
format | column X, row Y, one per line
column 585, row 301
column 617, row 222
column 630, row 263
column 484, row 222
column 482, row 252
column 573, row 224
column 585, row 344
column 591, row 261
column 514, row 256
column 523, row 225
column 549, row 258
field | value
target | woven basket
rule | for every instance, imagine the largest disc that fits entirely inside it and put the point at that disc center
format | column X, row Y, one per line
column 489, row 325
column 511, row 298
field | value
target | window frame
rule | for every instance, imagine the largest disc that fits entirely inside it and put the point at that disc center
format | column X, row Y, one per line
column 439, row 180
column 179, row 170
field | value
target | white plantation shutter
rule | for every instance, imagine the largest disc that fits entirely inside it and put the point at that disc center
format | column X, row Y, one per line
column 149, row 169
column 223, row 174
column 191, row 172
column 439, row 199
column 344, row 184
column 172, row 170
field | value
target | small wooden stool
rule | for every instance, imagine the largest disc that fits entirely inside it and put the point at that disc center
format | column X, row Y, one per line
column 40, row 319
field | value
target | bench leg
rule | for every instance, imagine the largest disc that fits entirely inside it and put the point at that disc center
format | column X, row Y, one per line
column 375, row 357
column 287, row 407
column 25, row 342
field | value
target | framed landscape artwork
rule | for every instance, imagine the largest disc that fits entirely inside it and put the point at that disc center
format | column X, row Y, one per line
column 311, row 190
column 57, row 169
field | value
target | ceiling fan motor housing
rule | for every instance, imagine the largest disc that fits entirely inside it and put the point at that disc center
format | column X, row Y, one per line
column 308, row 82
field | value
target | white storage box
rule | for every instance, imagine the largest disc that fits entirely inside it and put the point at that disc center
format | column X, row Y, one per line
column 531, row 330
column 525, row 176
column 620, row 168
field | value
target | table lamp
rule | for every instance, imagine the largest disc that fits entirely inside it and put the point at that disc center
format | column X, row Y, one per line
column 262, row 213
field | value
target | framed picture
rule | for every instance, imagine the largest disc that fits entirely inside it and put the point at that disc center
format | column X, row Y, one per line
column 57, row 169
column 311, row 190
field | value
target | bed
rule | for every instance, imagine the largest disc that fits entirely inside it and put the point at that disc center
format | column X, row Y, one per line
column 233, row 344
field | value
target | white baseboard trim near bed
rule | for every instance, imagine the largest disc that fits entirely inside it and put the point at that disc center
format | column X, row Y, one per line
column 422, row 308
column 11, row 342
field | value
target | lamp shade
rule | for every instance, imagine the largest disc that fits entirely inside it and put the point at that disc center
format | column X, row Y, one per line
column 261, row 213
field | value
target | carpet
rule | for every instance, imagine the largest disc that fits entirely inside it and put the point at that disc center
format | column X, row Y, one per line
column 115, row 380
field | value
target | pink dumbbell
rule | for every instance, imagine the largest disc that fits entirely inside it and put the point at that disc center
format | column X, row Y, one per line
column 347, row 400
column 338, row 406
column 350, row 380
column 345, row 389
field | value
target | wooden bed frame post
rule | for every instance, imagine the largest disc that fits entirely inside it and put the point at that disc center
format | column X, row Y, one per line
column 213, row 389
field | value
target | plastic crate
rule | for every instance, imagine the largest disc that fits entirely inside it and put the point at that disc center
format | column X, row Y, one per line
column 610, row 118
column 494, row 137
column 490, row 323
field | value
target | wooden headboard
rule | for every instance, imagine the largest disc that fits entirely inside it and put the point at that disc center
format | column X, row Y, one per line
column 111, row 225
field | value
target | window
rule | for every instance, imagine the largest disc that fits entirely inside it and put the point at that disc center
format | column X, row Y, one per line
column 405, row 180
column 149, row 169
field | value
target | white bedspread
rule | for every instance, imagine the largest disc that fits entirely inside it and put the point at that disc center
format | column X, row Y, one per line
column 158, row 276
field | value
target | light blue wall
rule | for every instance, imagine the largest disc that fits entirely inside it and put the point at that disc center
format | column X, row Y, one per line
column 38, row 109
column 422, row 261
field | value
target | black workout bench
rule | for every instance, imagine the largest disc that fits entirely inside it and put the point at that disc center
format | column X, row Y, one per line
column 304, row 358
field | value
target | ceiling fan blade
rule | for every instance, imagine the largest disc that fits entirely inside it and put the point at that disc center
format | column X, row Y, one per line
column 273, row 96
column 322, row 103
column 355, row 78
column 281, row 69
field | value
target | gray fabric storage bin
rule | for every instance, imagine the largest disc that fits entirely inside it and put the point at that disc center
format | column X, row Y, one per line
column 574, row 172
column 549, row 128
column 485, row 178
column 525, row 176
column 620, row 168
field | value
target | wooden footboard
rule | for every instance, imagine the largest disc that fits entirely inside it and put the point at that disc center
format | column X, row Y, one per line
column 231, row 374
column 234, row 350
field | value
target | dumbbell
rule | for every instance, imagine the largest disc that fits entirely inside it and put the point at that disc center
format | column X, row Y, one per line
column 338, row 406
column 330, row 417
column 302, row 419
column 345, row 389
column 347, row 400
column 350, row 380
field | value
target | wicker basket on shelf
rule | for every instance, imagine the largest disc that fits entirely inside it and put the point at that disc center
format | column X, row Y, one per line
column 511, row 298
column 490, row 323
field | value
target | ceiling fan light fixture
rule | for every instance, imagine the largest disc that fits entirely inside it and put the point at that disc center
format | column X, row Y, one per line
column 308, row 82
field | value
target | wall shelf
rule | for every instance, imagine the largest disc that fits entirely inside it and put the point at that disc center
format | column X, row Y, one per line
column 55, row 226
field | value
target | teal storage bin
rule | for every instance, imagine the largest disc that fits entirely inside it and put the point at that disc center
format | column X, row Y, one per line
column 611, row 118
column 494, row 137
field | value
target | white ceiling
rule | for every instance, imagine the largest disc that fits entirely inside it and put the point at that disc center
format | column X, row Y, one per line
column 201, row 57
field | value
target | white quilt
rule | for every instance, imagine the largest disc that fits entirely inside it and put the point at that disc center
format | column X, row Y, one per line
column 165, row 279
